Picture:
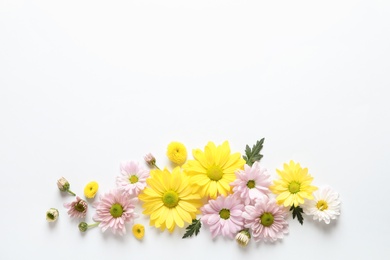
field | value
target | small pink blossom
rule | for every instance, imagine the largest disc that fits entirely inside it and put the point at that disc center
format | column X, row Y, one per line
column 251, row 183
column 223, row 216
column 77, row 208
column 266, row 219
column 132, row 179
column 114, row 210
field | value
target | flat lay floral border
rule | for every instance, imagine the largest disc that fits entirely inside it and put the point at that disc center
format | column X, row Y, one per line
column 231, row 194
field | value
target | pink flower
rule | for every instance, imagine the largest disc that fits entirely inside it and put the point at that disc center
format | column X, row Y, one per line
column 114, row 210
column 266, row 219
column 223, row 216
column 133, row 178
column 77, row 208
column 251, row 183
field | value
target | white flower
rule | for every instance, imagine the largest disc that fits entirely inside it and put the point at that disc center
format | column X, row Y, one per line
column 325, row 205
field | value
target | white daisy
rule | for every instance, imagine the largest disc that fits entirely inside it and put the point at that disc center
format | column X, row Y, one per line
column 325, row 205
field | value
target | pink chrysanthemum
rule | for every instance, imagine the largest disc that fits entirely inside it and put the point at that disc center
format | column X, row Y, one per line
column 251, row 183
column 223, row 216
column 77, row 208
column 114, row 210
column 133, row 178
column 266, row 219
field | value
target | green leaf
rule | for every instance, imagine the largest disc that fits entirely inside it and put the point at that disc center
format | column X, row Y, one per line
column 253, row 155
column 193, row 228
column 297, row 212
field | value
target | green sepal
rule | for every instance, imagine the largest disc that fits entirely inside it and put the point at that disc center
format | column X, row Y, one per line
column 193, row 228
column 253, row 155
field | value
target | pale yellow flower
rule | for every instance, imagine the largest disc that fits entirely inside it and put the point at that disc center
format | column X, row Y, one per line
column 293, row 187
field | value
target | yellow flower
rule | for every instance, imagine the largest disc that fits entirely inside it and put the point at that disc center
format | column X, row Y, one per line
column 177, row 153
column 169, row 199
column 214, row 169
column 91, row 189
column 294, row 185
column 138, row 231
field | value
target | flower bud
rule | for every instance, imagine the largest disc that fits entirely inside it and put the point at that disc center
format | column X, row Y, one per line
column 64, row 185
column 150, row 159
column 243, row 238
column 52, row 215
column 83, row 226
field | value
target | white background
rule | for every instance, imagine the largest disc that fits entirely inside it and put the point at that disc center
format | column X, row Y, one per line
column 85, row 85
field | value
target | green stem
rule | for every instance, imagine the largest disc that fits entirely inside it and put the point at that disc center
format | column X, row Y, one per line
column 71, row 192
column 93, row 225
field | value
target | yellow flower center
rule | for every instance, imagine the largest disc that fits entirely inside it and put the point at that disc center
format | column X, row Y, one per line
column 322, row 205
column 224, row 213
column 250, row 184
column 214, row 173
column 170, row 199
column 267, row 219
column 116, row 210
column 294, row 187
column 133, row 179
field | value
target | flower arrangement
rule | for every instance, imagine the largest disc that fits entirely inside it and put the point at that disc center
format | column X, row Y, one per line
column 230, row 194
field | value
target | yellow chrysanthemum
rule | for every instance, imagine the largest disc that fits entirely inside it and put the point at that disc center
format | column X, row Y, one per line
column 177, row 153
column 294, row 186
column 138, row 231
column 169, row 199
column 91, row 189
column 214, row 169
